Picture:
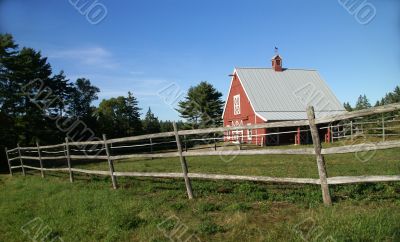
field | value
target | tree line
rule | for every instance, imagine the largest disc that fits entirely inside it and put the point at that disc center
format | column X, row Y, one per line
column 363, row 102
column 37, row 104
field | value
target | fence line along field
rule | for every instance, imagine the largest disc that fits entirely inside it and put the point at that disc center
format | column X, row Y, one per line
column 113, row 149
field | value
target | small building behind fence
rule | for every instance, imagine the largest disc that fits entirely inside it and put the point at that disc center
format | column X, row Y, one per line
column 260, row 95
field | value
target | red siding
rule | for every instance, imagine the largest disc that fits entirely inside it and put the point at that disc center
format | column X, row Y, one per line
column 246, row 116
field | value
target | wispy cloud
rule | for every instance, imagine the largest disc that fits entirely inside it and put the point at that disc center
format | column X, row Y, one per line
column 121, row 81
column 113, row 86
column 93, row 56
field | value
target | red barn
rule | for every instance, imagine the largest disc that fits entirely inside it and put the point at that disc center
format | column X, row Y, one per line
column 258, row 95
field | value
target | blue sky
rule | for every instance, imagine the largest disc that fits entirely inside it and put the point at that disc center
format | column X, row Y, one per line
column 145, row 46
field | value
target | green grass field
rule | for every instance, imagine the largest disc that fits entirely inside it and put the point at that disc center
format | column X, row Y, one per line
column 148, row 209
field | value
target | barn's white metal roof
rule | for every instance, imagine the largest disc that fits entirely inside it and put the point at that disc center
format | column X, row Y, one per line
column 285, row 95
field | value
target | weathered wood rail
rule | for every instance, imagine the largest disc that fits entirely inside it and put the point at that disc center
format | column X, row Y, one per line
column 41, row 153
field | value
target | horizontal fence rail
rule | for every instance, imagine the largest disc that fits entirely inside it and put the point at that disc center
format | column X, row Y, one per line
column 102, row 148
column 331, row 180
column 302, row 151
column 333, row 118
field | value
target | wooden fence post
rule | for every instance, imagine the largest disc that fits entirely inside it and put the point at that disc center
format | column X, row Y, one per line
column 183, row 163
column 40, row 159
column 277, row 136
column 184, row 138
column 8, row 161
column 68, row 156
column 215, row 142
column 383, row 128
column 351, row 130
column 110, row 163
column 256, row 136
column 151, row 147
column 20, row 159
column 320, row 159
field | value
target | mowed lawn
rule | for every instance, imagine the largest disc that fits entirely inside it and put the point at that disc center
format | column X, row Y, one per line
column 386, row 162
column 148, row 209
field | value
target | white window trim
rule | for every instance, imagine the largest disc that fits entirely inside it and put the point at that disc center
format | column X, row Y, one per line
column 237, row 136
column 236, row 104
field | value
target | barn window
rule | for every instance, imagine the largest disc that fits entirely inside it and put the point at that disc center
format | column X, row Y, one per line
column 236, row 104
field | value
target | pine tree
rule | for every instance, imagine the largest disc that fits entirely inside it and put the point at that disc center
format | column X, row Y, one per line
column 348, row 107
column 29, row 111
column 8, row 52
column 119, row 117
column 151, row 124
column 202, row 106
column 392, row 97
column 166, row 126
column 83, row 94
column 362, row 103
column 133, row 113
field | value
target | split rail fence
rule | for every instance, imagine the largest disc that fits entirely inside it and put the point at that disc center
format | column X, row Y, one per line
column 383, row 127
column 66, row 152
